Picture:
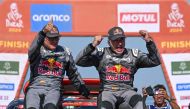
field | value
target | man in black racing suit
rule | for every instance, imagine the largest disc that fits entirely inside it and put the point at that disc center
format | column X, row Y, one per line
column 117, row 66
column 48, row 63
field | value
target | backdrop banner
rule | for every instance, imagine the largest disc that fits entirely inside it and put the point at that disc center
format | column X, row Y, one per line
column 167, row 21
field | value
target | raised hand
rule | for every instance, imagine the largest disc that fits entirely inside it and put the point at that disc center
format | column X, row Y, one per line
column 145, row 35
column 97, row 40
column 49, row 26
column 164, row 94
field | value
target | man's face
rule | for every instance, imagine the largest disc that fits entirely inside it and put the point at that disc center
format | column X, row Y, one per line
column 117, row 45
column 51, row 43
column 159, row 98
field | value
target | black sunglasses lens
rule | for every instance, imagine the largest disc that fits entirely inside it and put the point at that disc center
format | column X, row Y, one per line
column 53, row 38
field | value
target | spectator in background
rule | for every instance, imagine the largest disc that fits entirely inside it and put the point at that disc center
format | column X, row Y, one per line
column 161, row 98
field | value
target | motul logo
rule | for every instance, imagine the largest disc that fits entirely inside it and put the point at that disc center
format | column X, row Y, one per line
column 138, row 17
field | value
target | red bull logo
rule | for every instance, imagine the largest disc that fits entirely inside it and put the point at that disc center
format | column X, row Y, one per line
column 49, row 72
column 52, row 63
column 118, row 77
column 117, row 69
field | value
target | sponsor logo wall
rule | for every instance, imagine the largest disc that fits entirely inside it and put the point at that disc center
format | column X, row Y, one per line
column 175, row 53
column 14, row 43
column 167, row 21
column 177, row 67
column 178, row 75
column 11, row 70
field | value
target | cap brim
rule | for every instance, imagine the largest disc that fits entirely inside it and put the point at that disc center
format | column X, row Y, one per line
column 53, row 35
column 116, row 37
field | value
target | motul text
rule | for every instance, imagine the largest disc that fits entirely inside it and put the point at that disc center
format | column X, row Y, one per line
column 138, row 17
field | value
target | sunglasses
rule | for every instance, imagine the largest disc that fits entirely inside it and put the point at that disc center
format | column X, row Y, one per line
column 53, row 38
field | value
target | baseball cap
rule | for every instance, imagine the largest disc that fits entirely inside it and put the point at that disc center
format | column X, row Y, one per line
column 115, row 33
column 53, row 33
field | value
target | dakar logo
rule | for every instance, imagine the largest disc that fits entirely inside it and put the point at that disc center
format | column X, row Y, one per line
column 117, row 31
column 14, row 18
column 175, row 18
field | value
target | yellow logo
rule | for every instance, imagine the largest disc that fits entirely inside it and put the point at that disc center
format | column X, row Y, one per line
column 118, row 68
column 117, row 31
column 51, row 62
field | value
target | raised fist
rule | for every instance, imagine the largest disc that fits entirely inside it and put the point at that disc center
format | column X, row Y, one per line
column 97, row 40
column 48, row 27
column 145, row 35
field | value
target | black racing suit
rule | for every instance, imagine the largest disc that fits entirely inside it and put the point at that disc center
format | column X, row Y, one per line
column 47, row 72
column 117, row 73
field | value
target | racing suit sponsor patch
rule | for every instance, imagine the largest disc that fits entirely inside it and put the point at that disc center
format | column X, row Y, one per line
column 117, row 73
column 135, row 52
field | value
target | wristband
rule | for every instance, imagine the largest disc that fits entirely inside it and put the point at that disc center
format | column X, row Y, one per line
column 171, row 99
column 42, row 33
column 91, row 46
